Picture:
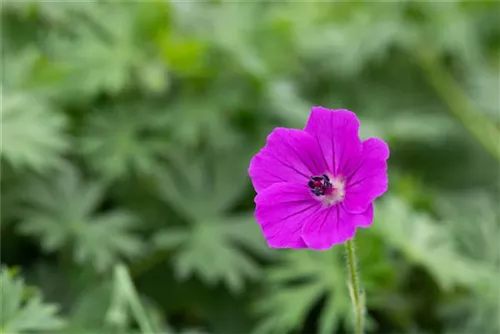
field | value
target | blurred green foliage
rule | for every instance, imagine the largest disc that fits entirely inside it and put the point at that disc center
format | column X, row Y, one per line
column 127, row 129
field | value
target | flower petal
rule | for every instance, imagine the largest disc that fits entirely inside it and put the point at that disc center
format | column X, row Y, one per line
column 369, row 179
column 363, row 219
column 330, row 226
column 337, row 134
column 281, row 211
column 290, row 155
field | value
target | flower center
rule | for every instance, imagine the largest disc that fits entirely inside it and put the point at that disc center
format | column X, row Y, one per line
column 329, row 190
column 320, row 185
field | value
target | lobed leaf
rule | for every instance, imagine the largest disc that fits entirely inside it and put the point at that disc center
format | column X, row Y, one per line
column 23, row 313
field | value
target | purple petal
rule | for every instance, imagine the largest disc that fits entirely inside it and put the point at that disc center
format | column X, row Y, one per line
column 369, row 179
column 365, row 218
column 290, row 155
column 331, row 226
column 337, row 134
column 281, row 212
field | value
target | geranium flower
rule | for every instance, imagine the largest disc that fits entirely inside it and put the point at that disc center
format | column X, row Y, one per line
column 316, row 186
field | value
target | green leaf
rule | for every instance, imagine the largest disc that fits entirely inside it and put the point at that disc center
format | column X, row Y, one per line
column 210, row 22
column 306, row 280
column 88, row 310
column 298, row 284
column 22, row 312
column 214, row 250
column 414, row 126
column 423, row 241
column 206, row 118
column 478, row 124
column 205, row 185
column 61, row 211
column 359, row 34
column 113, row 49
column 286, row 102
column 104, row 307
column 121, row 141
column 32, row 134
column 472, row 218
column 108, row 238
column 124, row 288
column 483, row 84
column 57, row 14
column 183, row 55
column 203, row 189
column 452, row 28
column 20, row 67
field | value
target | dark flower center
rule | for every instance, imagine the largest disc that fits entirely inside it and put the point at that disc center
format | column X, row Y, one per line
column 320, row 185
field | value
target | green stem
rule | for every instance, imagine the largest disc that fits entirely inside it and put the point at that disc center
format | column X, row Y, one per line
column 123, row 277
column 483, row 129
column 354, row 286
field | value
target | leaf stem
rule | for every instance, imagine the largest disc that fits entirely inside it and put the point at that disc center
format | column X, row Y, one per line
column 354, row 286
column 123, row 277
column 483, row 129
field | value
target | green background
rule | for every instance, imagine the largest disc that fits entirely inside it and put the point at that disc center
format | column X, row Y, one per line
column 127, row 130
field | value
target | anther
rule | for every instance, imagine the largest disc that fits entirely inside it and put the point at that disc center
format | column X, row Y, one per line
column 320, row 185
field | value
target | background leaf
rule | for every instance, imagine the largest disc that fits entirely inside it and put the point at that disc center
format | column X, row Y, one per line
column 214, row 250
column 23, row 311
column 32, row 134
column 61, row 212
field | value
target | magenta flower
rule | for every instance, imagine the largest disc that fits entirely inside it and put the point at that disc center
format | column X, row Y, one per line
column 315, row 186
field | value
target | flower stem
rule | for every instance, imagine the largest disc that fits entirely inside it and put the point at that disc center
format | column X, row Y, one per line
column 483, row 129
column 354, row 287
column 138, row 311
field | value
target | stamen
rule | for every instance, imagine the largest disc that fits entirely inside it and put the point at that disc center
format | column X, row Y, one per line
column 329, row 191
column 320, row 185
